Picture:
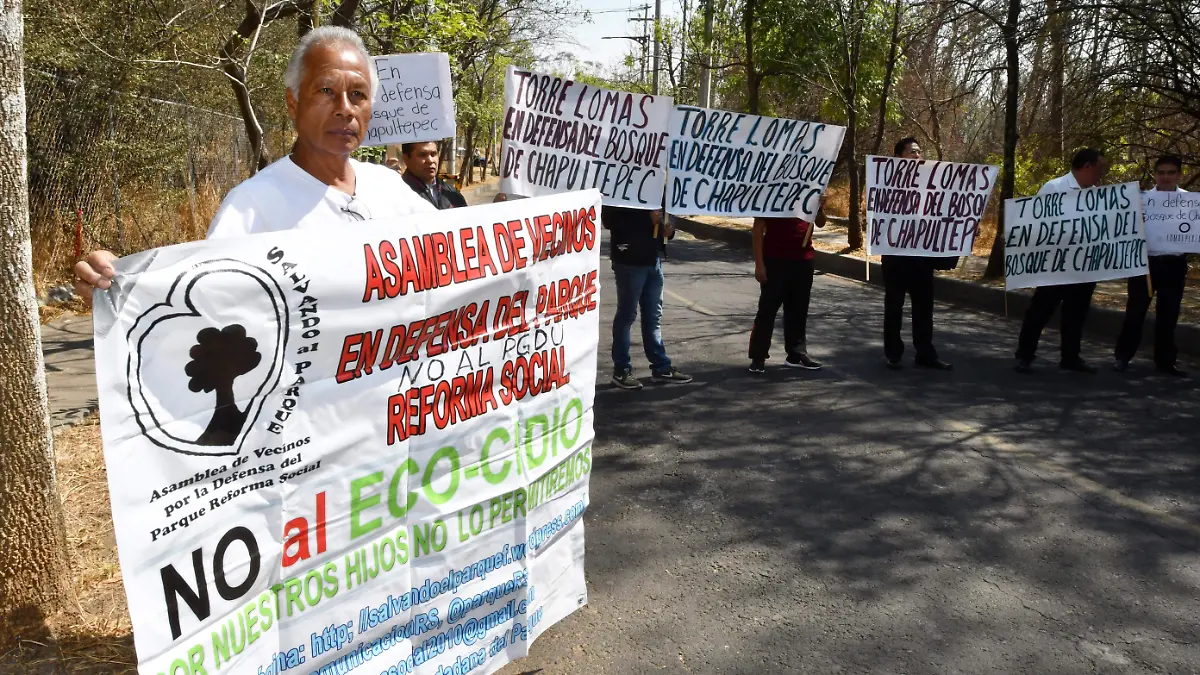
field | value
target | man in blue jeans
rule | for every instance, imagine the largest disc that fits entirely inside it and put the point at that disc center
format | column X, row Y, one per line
column 636, row 241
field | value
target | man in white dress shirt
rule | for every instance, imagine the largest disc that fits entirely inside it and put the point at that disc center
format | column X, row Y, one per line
column 329, row 86
column 1168, row 275
column 1087, row 170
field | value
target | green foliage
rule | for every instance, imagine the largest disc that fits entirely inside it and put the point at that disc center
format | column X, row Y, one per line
column 1032, row 170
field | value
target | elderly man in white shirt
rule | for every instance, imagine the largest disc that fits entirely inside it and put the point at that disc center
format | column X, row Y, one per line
column 329, row 83
column 1087, row 170
column 1169, row 276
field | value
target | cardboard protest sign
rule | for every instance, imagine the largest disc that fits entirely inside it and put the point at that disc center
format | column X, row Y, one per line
column 1172, row 222
column 726, row 163
column 560, row 135
column 918, row 207
column 414, row 100
column 1072, row 237
column 367, row 444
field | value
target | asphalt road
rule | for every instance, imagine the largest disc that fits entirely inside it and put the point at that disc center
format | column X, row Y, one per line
column 860, row 520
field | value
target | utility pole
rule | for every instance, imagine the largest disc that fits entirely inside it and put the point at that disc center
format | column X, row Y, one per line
column 683, row 48
column 706, row 68
column 642, row 39
column 645, row 40
column 657, row 67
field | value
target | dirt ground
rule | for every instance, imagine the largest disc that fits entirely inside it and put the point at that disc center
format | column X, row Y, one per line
column 97, row 637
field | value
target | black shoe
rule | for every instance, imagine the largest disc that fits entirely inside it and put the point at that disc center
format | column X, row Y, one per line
column 625, row 380
column 801, row 361
column 1077, row 366
column 935, row 364
column 1171, row 371
column 757, row 367
column 1024, row 366
column 1120, row 365
column 894, row 364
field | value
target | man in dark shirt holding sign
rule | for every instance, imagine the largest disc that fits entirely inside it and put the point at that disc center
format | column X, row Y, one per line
column 911, row 275
column 637, row 239
column 783, row 266
column 1168, row 275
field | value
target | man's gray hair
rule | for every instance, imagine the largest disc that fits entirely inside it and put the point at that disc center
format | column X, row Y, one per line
column 325, row 35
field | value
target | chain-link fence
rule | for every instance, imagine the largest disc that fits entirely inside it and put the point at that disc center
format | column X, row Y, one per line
column 112, row 170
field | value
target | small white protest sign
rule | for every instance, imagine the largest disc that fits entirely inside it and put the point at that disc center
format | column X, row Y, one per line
column 1095, row 234
column 918, row 207
column 561, row 135
column 414, row 100
column 734, row 164
column 1172, row 222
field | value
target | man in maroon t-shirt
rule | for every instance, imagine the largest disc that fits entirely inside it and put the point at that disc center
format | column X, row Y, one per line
column 783, row 266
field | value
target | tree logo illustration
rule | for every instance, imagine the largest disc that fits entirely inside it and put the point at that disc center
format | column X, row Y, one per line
column 198, row 378
column 218, row 358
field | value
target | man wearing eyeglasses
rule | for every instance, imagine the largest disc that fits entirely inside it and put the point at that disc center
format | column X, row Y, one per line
column 329, row 83
column 421, row 162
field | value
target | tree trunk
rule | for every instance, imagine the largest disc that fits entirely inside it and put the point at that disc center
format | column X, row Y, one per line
column 889, row 71
column 35, row 579
column 469, row 157
column 854, row 235
column 233, row 52
column 1058, row 66
column 308, row 18
column 344, row 14
column 254, row 130
column 995, row 266
column 752, row 79
column 856, row 19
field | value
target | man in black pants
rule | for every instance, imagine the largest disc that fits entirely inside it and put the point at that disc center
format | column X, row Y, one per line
column 1087, row 169
column 1168, row 275
column 912, row 276
column 783, row 266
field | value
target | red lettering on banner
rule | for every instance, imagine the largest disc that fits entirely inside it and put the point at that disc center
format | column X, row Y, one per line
column 446, row 403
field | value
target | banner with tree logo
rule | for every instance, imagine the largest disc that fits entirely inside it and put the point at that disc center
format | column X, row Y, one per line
column 359, row 445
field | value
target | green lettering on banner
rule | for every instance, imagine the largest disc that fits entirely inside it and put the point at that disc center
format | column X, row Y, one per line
column 358, row 504
column 394, row 506
column 500, row 434
column 435, row 497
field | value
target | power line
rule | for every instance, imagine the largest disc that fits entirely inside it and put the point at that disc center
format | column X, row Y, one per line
column 605, row 11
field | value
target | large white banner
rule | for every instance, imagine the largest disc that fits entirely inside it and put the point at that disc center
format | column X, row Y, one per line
column 1059, row 238
column 735, row 164
column 414, row 100
column 1172, row 222
column 560, row 135
column 365, row 447
column 919, row 207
